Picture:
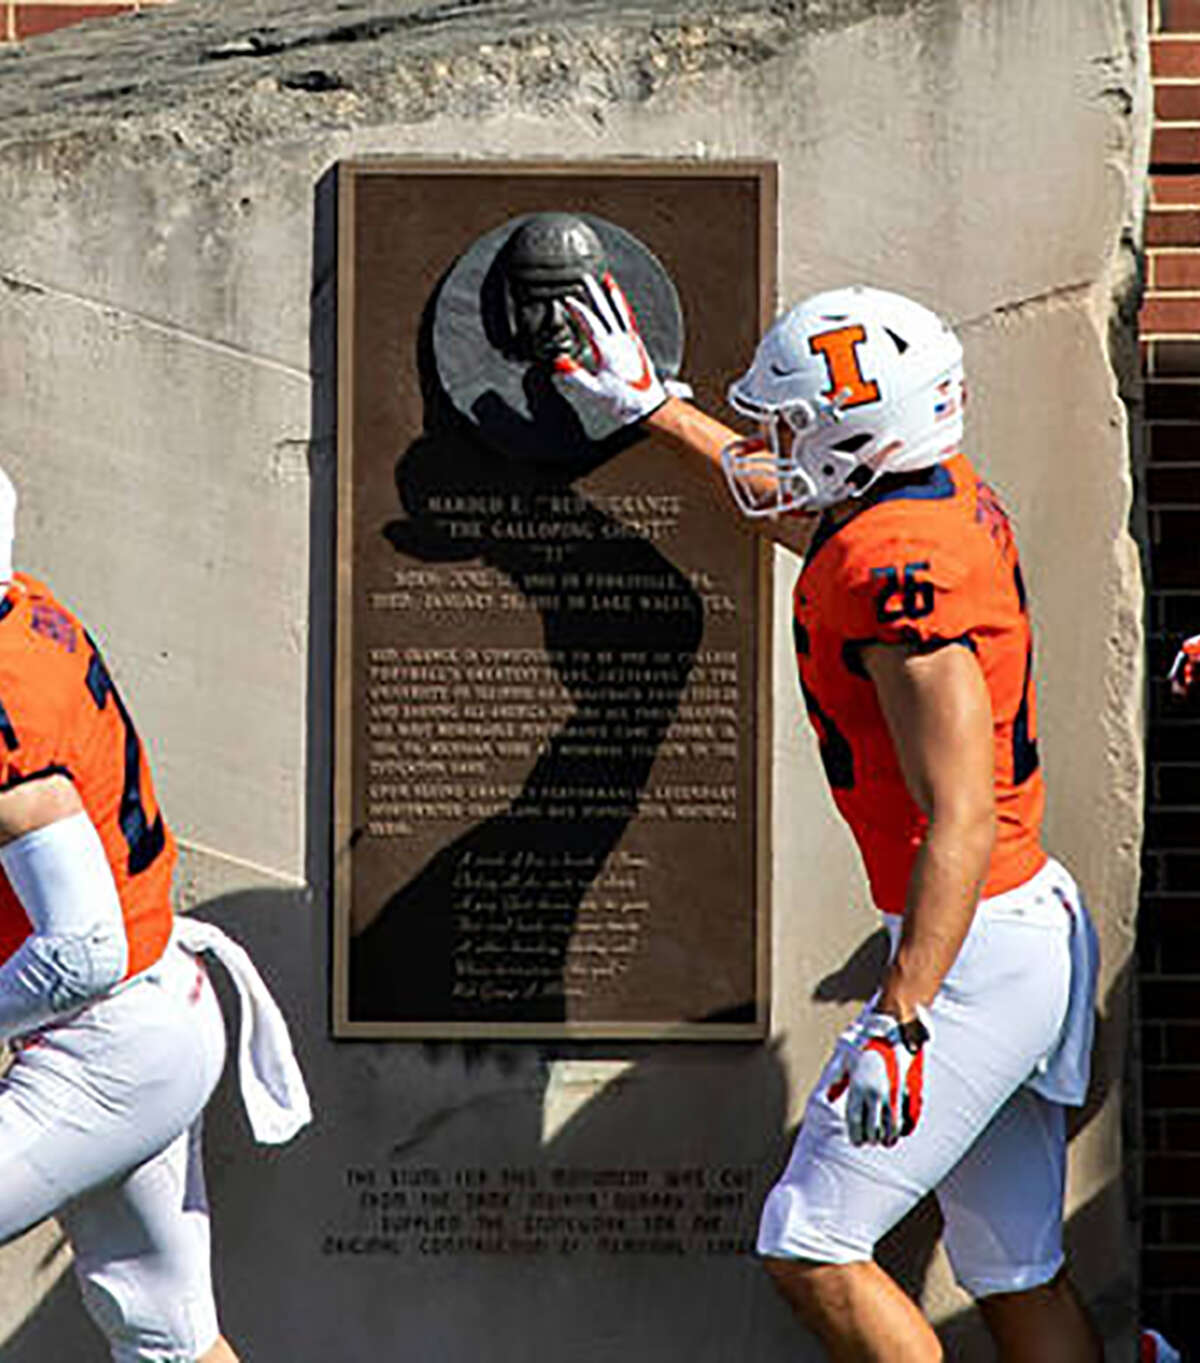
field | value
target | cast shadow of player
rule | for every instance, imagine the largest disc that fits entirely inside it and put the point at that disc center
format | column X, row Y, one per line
column 571, row 562
column 720, row 1109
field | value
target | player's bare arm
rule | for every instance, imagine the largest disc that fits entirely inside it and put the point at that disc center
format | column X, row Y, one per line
column 621, row 375
column 701, row 440
column 938, row 712
column 33, row 804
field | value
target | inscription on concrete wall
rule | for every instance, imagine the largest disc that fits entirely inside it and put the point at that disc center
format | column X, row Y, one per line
column 402, row 1210
column 550, row 714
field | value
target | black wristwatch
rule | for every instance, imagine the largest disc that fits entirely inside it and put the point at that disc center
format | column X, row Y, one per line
column 914, row 1034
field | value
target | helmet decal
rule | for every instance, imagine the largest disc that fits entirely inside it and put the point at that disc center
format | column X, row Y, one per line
column 838, row 348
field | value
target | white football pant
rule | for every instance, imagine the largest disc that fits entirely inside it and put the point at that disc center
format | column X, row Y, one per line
column 989, row 1146
column 100, row 1123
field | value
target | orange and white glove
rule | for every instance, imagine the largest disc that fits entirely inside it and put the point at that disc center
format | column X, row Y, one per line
column 1186, row 667
column 618, row 374
column 883, row 1078
column 1153, row 1348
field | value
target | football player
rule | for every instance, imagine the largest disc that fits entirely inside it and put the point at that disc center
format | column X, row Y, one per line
column 1186, row 667
column 116, row 1036
column 915, row 662
column 1153, row 1348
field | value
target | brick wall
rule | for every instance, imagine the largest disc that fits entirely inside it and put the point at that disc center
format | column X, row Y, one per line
column 22, row 19
column 1169, row 937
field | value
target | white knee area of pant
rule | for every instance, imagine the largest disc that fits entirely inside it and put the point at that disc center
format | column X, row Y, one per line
column 138, row 1330
column 785, row 1231
column 1015, row 1278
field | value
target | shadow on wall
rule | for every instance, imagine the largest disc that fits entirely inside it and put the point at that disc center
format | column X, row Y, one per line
column 458, row 1106
column 454, row 1106
column 402, row 966
column 409, row 963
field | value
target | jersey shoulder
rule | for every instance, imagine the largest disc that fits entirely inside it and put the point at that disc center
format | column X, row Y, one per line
column 909, row 565
column 947, row 512
column 43, row 651
column 896, row 533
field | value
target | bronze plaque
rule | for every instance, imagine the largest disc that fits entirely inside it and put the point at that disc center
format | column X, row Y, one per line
column 551, row 701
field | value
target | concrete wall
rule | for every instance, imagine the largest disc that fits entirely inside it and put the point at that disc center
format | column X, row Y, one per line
column 165, row 311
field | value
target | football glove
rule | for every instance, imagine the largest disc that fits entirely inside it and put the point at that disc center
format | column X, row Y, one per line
column 618, row 374
column 1184, row 669
column 1153, row 1348
column 882, row 1078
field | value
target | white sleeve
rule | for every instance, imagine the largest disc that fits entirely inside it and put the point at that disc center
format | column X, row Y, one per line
column 78, row 949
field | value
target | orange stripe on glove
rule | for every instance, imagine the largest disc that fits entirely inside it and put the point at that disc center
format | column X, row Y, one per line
column 1186, row 667
column 883, row 1078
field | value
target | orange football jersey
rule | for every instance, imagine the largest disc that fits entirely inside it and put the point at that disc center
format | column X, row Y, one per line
column 925, row 558
column 61, row 713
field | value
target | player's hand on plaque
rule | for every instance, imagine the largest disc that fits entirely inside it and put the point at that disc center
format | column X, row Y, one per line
column 1185, row 670
column 617, row 372
column 882, row 1077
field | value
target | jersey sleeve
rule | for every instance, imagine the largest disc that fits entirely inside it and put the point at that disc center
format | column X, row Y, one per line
column 907, row 590
column 10, row 768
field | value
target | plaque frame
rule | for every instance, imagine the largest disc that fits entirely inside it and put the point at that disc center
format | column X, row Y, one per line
column 350, row 174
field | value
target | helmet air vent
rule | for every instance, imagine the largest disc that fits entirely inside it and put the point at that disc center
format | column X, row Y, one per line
column 853, row 443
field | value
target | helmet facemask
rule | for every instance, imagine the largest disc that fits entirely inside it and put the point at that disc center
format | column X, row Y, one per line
column 808, row 457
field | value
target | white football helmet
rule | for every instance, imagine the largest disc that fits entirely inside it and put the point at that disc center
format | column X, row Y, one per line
column 864, row 382
column 8, row 528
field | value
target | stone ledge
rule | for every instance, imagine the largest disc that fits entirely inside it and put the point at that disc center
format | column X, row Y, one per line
column 532, row 51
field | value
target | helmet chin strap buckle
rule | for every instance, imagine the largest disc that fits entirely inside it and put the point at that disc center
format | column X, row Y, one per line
column 824, row 409
column 839, row 401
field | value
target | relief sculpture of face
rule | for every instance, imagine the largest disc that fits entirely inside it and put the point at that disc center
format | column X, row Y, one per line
column 501, row 317
column 547, row 259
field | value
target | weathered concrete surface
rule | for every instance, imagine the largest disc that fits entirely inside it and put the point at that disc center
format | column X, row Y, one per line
column 164, row 406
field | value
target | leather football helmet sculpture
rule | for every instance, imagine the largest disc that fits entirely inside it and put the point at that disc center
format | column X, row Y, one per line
column 847, row 385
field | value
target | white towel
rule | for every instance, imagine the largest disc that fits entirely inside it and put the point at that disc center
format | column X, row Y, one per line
column 273, row 1090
